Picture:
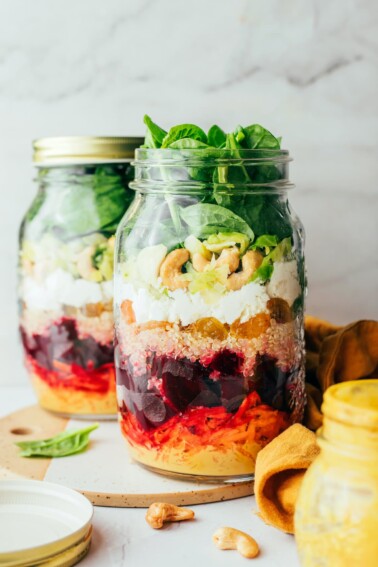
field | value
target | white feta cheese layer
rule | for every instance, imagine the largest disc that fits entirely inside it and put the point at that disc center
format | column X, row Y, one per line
column 284, row 282
column 61, row 288
column 183, row 307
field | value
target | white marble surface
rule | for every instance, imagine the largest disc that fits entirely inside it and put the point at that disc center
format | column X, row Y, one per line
column 307, row 70
column 122, row 538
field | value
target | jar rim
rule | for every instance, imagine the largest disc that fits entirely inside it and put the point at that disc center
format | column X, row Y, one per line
column 67, row 150
column 353, row 403
column 180, row 156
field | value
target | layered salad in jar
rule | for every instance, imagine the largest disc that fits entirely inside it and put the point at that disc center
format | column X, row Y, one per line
column 209, row 355
column 66, row 288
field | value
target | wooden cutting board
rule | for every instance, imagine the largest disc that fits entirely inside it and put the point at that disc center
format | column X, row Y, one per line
column 104, row 473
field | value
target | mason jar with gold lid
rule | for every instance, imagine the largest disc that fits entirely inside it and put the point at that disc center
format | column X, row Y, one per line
column 336, row 519
column 66, row 271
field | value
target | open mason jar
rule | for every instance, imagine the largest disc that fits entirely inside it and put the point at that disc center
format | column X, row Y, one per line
column 66, row 271
column 209, row 293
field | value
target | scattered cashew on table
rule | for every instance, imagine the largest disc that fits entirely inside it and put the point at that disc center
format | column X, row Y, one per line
column 230, row 538
column 160, row 512
column 224, row 538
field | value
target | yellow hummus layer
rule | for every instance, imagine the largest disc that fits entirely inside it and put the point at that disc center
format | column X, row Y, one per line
column 209, row 461
column 71, row 401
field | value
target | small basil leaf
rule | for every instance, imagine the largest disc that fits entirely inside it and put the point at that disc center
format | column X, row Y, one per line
column 154, row 135
column 184, row 131
column 62, row 445
column 216, row 137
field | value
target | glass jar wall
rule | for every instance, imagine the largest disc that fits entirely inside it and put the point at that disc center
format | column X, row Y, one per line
column 336, row 517
column 66, row 271
column 209, row 311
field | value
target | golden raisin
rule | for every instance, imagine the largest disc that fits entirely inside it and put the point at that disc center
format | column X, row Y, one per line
column 108, row 306
column 93, row 309
column 210, row 327
column 128, row 311
column 251, row 329
column 279, row 310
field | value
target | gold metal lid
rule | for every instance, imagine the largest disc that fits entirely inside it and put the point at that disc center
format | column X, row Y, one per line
column 55, row 531
column 67, row 150
column 354, row 402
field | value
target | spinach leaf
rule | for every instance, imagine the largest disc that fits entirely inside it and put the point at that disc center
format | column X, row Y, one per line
column 188, row 144
column 205, row 219
column 184, row 131
column 239, row 134
column 268, row 214
column 216, row 137
column 111, row 200
column 154, row 135
column 237, row 173
column 258, row 137
column 62, row 445
column 90, row 199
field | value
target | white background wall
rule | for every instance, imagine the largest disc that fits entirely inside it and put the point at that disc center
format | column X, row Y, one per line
column 306, row 69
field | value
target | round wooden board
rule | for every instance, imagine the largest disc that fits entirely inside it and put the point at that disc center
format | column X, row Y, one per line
column 104, row 473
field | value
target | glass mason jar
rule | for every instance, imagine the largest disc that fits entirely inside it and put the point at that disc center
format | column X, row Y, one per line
column 66, row 271
column 336, row 517
column 209, row 292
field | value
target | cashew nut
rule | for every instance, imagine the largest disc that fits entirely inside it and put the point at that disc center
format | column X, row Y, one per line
column 228, row 257
column 161, row 512
column 250, row 262
column 170, row 270
column 230, row 538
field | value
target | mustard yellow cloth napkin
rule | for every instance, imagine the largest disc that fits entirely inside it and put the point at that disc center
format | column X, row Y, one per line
column 333, row 354
column 280, row 467
column 336, row 354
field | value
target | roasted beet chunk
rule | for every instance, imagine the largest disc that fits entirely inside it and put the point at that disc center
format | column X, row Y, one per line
column 182, row 382
column 226, row 362
column 61, row 342
column 187, row 384
column 271, row 381
column 148, row 407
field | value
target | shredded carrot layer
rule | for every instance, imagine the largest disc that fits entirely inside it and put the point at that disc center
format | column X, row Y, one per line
column 72, row 376
column 214, row 427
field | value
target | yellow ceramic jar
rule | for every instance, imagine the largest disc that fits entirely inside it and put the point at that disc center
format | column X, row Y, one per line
column 336, row 520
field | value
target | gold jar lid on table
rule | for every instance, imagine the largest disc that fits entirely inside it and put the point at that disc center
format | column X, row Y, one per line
column 67, row 150
column 42, row 523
